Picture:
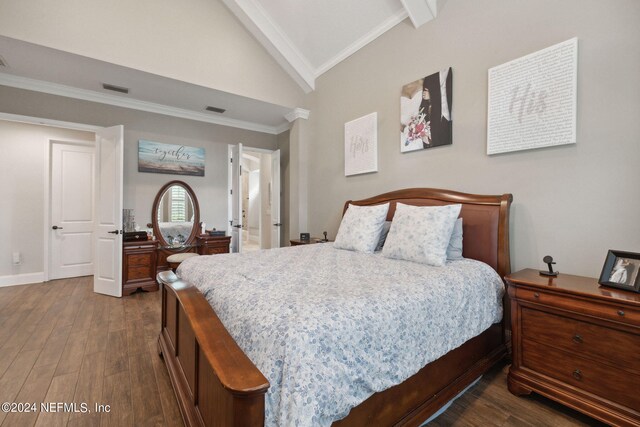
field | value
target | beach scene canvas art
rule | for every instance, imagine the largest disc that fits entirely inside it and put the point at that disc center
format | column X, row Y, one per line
column 156, row 157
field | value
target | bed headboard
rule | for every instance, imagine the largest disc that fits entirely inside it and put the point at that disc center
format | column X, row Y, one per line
column 485, row 220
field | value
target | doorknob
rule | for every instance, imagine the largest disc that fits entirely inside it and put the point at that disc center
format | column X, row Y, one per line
column 55, row 227
column 113, row 232
column 237, row 226
column 277, row 224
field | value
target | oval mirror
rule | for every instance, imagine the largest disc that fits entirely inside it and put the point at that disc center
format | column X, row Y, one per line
column 175, row 215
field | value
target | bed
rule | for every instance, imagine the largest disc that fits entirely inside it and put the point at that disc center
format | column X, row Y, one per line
column 216, row 383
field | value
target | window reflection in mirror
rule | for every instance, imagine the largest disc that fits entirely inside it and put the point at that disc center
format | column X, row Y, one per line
column 176, row 215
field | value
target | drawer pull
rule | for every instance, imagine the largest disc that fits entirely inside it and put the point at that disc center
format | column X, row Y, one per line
column 577, row 374
column 577, row 338
column 536, row 295
column 621, row 313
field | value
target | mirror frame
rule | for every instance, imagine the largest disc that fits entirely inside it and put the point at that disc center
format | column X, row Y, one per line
column 196, row 213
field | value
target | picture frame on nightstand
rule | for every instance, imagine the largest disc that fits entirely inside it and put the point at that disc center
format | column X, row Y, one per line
column 621, row 270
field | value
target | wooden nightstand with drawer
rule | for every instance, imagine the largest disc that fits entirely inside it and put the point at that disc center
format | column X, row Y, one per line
column 576, row 342
column 139, row 266
column 210, row 245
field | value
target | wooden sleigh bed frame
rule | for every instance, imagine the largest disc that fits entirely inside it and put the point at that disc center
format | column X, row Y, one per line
column 217, row 385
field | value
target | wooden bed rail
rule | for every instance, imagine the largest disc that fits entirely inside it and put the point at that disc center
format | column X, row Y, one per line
column 210, row 374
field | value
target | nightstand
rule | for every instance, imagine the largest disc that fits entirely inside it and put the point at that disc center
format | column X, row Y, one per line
column 298, row 242
column 139, row 260
column 210, row 245
column 576, row 342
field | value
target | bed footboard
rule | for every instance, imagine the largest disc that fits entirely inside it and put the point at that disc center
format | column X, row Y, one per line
column 214, row 381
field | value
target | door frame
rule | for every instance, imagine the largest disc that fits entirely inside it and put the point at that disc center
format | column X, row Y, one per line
column 229, row 183
column 47, row 169
column 47, row 195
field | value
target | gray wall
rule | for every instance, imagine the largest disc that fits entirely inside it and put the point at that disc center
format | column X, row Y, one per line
column 140, row 189
column 285, row 158
column 23, row 147
column 573, row 202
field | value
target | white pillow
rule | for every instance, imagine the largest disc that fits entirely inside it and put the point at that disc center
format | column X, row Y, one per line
column 454, row 250
column 421, row 233
column 361, row 227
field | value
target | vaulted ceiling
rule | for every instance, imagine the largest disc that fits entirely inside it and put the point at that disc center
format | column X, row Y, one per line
column 309, row 37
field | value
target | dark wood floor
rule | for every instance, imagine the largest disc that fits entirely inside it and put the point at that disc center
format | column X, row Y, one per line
column 60, row 342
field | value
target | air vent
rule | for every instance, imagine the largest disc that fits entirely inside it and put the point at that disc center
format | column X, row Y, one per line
column 3, row 63
column 215, row 109
column 114, row 88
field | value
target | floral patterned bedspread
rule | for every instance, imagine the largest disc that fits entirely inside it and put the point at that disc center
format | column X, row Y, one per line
column 329, row 327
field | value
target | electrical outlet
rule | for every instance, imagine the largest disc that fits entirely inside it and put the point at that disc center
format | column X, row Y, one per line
column 16, row 258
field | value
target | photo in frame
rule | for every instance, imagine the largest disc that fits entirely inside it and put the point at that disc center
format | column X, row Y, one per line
column 621, row 270
column 156, row 157
column 425, row 112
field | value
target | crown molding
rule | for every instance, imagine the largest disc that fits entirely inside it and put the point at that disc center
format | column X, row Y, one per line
column 257, row 21
column 420, row 11
column 118, row 101
column 283, row 128
column 49, row 122
column 297, row 113
column 394, row 20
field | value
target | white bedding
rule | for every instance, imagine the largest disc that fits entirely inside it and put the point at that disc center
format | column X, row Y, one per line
column 329, row 327
column 174, row 229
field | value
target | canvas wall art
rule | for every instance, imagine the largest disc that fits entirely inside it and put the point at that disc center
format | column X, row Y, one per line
column 361, row 145
column 532, row 100
column 425, row 112
column 156, row 157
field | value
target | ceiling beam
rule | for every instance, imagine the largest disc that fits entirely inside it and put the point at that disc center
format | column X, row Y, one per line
column 259, row 24
column 421, row 11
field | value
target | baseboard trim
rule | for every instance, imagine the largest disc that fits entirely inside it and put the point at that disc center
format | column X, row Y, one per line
column 21, row 279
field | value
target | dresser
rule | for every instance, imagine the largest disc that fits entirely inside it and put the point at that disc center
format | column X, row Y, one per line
column 204, row 244
column 139, row 266
column 576, row 342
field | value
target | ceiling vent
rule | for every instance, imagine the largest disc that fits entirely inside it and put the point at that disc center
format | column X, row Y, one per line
column 114, row 88
column 3, row 63
column 215, row 109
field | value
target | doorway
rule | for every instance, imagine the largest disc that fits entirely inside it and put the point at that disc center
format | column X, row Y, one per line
column 254, row 201
column 252, row 211
column 106, row 191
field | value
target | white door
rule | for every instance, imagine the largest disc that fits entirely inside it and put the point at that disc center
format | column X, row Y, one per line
column 107, row 277
column 235, row 197
column 275, row 199
column 72, row 213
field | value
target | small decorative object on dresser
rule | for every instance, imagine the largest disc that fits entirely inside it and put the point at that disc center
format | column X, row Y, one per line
column 305, row 236
column 134, row 236
column 620, row 270
column 577, row 343
column 548, row 259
